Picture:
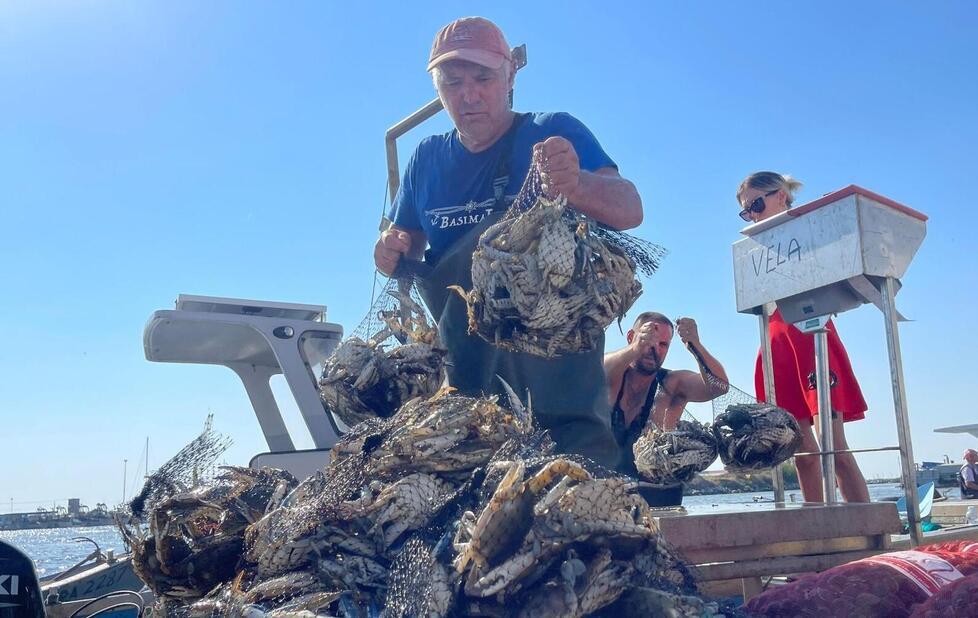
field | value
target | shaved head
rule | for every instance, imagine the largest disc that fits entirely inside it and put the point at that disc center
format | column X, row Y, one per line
column 652, row 316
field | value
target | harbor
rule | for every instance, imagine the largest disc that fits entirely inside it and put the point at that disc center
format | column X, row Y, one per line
column 581, row 355
column 75, row 514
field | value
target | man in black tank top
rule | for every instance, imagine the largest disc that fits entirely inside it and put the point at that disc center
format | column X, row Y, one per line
column 645, row 394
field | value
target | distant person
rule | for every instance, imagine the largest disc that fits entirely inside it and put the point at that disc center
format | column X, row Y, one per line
column 968, row 475
column 761, row 196
column 642, row 391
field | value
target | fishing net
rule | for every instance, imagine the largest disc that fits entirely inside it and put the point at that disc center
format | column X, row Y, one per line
column 452, row 506
column 318, row 518
column 747, row 436
column 752, row 435
column 670, row 457
column 393, row 356
column 194, row 538
column 420, row 585
column 547, row 280
column 194, row 464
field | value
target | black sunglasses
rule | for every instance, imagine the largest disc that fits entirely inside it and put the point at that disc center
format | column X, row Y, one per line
column 757, row 206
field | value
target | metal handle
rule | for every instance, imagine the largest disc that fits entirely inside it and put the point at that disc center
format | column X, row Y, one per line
column 849, row 450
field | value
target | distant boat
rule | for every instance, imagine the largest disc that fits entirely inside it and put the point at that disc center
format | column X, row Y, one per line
column 925, row 498
column 97, row 574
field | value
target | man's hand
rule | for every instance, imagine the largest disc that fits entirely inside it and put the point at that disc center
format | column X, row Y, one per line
column 391, row 245
column 559, row 166
column 687, row 331
column 642, row 341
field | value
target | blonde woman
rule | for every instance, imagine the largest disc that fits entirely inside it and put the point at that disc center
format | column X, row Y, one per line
column 761, row 196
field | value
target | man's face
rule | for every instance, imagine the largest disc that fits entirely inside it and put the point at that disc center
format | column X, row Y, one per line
column 477, row 99
column 654, row 352
column 971, row 457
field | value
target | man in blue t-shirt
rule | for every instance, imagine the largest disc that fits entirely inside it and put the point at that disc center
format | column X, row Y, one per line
column 458, row 183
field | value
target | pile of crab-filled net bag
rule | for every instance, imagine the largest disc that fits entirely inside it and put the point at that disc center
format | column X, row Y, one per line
column 747, row 435
column 934, row 581
column 452, row 506
column 548, row 280
column 393, row 356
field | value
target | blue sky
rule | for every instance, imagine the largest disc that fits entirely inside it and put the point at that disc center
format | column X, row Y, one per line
column 236, row 149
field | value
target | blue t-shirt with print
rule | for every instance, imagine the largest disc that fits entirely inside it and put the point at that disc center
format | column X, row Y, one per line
column 446, row 189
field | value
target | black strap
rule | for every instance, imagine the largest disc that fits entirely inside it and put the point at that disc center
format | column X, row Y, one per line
column 501, row 180
column 621, row 389
column 638, row 423
column 643, row 415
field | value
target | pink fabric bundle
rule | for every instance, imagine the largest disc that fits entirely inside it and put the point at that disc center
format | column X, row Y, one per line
column 944, row 575
column 959, row 599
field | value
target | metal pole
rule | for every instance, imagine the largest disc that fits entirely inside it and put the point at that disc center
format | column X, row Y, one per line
column 822, row 386
column 390, row 141
column 124, row 463
column 900, row 407
column 767, row 367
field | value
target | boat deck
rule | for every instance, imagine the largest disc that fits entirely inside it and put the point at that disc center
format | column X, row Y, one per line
column 731, row 552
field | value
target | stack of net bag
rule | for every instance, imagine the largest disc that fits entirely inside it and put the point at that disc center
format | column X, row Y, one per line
column 547, row 280
column 453, row 506
column 393, row 356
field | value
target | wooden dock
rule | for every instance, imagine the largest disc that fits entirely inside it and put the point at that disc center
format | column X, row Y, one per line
column 730, row 552
column 741, row 548
column 951, row 512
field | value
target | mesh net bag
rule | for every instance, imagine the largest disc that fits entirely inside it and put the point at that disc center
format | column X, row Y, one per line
column 956, row 600
column 186, row 527
column 423, row 514
column 752, row 435
column 894, row 584
column 393, row 356
column 194, row 464
column 548, row 280
column 671, row 457
column 747, row 436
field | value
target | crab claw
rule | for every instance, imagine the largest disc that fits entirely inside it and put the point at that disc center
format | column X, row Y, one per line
column 459, row 290
column 523, row 414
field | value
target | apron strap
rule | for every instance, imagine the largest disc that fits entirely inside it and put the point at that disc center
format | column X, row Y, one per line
column 501, row 179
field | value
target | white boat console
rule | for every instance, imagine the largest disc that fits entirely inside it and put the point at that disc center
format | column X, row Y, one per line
column 256, row 340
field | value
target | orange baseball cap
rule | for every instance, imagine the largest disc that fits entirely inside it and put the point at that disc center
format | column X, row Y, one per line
column 475, row 39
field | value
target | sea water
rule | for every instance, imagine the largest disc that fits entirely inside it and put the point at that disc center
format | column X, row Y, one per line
column 54, row 551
